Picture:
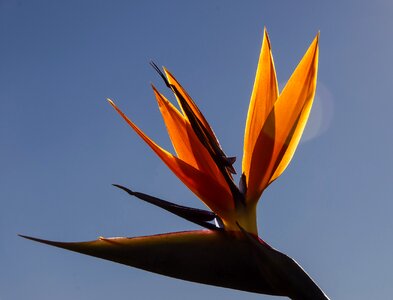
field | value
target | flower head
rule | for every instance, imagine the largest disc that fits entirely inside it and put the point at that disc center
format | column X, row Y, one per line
column 274, row 125
column 229, row 253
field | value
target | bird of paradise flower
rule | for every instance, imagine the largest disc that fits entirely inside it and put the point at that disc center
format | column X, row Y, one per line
column 229, row 253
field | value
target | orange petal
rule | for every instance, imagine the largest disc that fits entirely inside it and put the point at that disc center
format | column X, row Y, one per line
column 213, row 194
column 293, row 108
column 201, row 128
column 282, row 130
column 177, row 129
column 263, row 96
column 184, row 140
column 172, row 80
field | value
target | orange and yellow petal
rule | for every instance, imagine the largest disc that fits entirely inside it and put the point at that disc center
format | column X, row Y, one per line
column 176, row 126
column 293, row 108
column 264, row 95
column 185, row 142
column 195, row 110
column 284, row 126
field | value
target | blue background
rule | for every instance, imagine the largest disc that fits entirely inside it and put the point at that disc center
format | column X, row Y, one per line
column 62, row 145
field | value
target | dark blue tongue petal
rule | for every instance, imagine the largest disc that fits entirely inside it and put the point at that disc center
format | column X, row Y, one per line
column 198, row 216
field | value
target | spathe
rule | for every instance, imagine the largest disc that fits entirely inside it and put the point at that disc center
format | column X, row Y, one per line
column 234, row 260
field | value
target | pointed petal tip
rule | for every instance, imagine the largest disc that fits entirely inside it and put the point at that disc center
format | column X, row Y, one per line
column 169, row 75
column 154, row 88
column 265, row 33
column 157, row 93
column 316, row 39
column 112, row 103
column 266, row 38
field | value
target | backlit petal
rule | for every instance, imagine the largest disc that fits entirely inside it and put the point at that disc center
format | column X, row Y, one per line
column 264, row 95
column 176, row 126
column 185, row 142
column 213, row 194
column 201, row 127
column 172, row 80
column 283, row 127
column 293, row 108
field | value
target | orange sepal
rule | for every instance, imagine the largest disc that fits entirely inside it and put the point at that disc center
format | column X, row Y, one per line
column 213, row 194
column 284, row 125
column 293, row 108
column 264, row 95
column 184, row 140
column 172, row 80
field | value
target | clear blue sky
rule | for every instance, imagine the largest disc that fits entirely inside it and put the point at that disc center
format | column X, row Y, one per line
column 62, row 145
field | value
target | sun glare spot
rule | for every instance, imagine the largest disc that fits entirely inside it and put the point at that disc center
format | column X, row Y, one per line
column 321, row 113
